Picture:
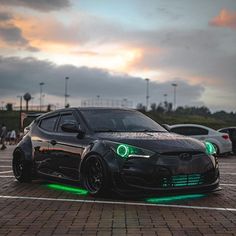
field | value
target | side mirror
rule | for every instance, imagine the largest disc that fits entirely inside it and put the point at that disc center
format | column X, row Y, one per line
column 72, row 127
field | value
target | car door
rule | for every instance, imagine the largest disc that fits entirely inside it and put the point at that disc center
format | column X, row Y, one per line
column 66, row 148
column 42, row 133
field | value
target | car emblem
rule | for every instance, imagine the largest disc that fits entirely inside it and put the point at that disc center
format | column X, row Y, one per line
column 185, row 156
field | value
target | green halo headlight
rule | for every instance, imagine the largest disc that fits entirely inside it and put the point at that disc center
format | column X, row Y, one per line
column 123, row 150
column 210, row 149
column 126, row 151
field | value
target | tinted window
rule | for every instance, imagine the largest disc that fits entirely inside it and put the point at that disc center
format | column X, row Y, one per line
column 48, row 123
column 120, row 121
column 224, row 131
column 65, row 118
column 233, row 134
column 190, row 130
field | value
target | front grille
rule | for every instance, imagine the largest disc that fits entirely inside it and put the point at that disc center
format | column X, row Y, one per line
column 182, row 180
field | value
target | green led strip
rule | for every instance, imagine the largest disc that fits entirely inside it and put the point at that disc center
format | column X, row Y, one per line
column 183, row 180
column 174, row 198
column 69, row 189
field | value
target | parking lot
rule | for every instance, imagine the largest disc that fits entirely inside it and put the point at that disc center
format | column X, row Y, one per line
column 39, row 208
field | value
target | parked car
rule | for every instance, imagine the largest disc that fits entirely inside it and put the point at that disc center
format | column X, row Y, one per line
column 221, row 141
column 106, row 149
column 231, row 131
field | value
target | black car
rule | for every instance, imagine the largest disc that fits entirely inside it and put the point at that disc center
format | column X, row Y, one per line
column 232, row 135
column 106, row 149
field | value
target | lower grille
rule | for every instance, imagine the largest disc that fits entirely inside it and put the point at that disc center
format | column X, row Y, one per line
column 182, row 180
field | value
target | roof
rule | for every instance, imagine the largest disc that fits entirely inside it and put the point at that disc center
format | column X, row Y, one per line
column 83, row 109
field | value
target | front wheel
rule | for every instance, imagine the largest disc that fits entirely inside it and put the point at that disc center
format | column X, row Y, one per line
column 21, row 168
column 95, row 176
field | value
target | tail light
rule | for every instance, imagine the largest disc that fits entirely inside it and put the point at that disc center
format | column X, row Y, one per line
column 225, row 136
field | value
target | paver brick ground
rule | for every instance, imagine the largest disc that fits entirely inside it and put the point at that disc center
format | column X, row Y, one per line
column 50, row 217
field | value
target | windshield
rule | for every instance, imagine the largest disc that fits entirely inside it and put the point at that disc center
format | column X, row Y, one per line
column 104, row 120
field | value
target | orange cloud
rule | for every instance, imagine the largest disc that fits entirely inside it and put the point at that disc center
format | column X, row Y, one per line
column 226, row 18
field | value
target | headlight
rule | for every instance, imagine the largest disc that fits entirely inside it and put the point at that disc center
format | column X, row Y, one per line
column 127, row 151
column 210, row 149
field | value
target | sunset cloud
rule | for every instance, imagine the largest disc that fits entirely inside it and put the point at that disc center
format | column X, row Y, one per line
column 41, row 5
column 226, row 18
column 85, row 82
column 98, row 40
column 11, row 35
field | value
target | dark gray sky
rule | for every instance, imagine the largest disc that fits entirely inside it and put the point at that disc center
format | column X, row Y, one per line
column 108, row 48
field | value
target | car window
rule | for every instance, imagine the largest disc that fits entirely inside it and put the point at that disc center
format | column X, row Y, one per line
column 224, row 131
column 64, row 119
column 190, row 130
column 233, row 134
column 48, row 124
column 105, row 120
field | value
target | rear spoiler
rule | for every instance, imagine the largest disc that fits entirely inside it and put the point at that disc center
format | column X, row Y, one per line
column 24, row 115
column 33, row 115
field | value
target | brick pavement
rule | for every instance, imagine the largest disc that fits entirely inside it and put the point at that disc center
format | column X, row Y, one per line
column 49, row 217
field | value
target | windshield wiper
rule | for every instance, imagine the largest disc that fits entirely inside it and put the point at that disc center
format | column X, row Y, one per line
column 147, row 130
column 105, row 130
column 127, row 131
column 150, row 130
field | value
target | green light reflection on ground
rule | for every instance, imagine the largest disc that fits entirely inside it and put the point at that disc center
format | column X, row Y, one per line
column 174, row 198
column 69, row 189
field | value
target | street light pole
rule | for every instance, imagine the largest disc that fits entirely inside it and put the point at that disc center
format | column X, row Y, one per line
column 98, row 100
column 19, row 96
column 41, row 92
column 66, row 87
column 165, row 98
column 174, row 86
column 147, row 94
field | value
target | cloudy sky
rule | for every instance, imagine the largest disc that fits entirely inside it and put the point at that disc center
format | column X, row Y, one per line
column 108, row 48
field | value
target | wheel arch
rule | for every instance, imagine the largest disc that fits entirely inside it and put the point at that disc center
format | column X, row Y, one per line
column 25, row 147
column 100, row 149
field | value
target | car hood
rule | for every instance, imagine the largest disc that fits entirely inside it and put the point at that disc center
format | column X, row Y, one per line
column 160, row 142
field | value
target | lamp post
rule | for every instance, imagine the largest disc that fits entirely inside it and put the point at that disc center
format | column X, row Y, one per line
column 147, row 94
column 3, row 105
column 98, row 100
column 66, row 94
column 19, row 96
column 165, row 98
column 32, row 103
column 174, row 86
column 41, row 92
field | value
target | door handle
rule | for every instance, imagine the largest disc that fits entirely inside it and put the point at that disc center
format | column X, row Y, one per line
column 53, row 142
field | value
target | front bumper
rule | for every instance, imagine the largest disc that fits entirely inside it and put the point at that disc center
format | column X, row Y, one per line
column 167, row 175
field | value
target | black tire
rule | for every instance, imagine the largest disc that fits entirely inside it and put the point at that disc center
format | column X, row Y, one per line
column 22, row 169
column 95, row 177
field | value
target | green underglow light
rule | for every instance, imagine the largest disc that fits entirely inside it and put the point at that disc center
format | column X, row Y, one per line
column 174, row 198
column 210, row 149
column 123, row 150
column 70, row 189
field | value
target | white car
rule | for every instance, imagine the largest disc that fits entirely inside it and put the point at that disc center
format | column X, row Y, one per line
column 220, row 141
